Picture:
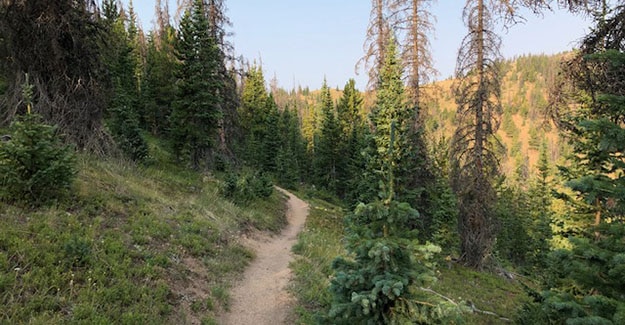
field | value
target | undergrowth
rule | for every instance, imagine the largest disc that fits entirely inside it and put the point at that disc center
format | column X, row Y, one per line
column 134, row 245
column 317, row 246
column 486, row 298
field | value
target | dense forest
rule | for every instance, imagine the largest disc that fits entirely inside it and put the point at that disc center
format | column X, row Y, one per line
column 117, row 142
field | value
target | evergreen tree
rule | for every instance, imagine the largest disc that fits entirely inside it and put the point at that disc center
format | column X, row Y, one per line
column 540, row 211
column 348, row 109
column 328, row 164
column 441, row 225
column 353, row 130
column 253, row 115
column 197, row 107
column 270, row 136
column 218, row 21
column 416, row 19
column 378, row 283
column 592, row 125
column 392, row 112
column 123, row 62
column 586, row 283
column 35, row 166
column 291, row 154
column 259, row 120
column 158, row 90
column 366, row 187
column 136, row 39
column 512, row 222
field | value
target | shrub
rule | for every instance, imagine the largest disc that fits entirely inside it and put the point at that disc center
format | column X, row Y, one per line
column 34, row 165
column 247, row 187
column 586, row 284
column 127, row 133
column 376, row 283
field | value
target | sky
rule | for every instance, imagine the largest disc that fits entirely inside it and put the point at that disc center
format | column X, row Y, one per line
column 302, row 42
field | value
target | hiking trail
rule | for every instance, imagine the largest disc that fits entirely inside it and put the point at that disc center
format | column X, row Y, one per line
column 261, row 297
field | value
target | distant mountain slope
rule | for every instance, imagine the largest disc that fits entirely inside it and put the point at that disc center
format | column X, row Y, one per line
column 524, row 125
column 523, row 128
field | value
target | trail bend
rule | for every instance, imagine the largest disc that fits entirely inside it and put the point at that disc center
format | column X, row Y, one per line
column 261, row 297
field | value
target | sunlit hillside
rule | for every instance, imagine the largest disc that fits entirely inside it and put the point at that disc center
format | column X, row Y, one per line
column 524, row 125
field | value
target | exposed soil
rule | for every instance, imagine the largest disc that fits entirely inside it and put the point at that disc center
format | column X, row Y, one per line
column 261, row 297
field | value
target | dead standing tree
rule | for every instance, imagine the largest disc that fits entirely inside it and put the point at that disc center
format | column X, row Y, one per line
column 378, row 33
column 416, row 22
column 474, row 161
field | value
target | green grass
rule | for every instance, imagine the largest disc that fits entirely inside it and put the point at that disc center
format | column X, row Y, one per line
column 133, row 245
column 485, row 291
column 320, row 243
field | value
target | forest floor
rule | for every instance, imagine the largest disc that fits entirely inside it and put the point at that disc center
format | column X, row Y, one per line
column 262, row 296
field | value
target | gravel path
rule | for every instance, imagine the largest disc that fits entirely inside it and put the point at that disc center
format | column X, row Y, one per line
column 261, row 297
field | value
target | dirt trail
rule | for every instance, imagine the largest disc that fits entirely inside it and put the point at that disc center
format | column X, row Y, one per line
column 261, row 298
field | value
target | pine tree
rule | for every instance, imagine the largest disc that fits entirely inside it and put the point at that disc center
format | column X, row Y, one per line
column 512, row 211
column 197, row 107
column 158, row 89
column 123, row 61
column 540, row 211
column 218, row 22
column 270, row 138
column 259, row 120
column 376, row 286
column 440, row 219
column 35, row 166
column 586, row 283
column 378, row 33
column 136, row 39
column 475, row 164
column 376, row 283
column 290, row 157
column 392, row 111
column 252, row 114
column 328, row 163
column 287, row 168
column 418, row 21
column 353, row 130
column 593, row 128
column 348, row 109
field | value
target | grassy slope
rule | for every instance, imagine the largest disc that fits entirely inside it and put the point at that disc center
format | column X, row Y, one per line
column 133, row 245
column 320, row 243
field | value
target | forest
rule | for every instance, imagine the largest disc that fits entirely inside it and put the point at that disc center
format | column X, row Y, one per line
column 131, row 160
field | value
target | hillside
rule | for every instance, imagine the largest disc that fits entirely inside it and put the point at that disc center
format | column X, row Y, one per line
column 524, row 126
column 133, row 245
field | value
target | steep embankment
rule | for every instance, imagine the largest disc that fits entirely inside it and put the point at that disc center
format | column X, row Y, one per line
column 261, row 298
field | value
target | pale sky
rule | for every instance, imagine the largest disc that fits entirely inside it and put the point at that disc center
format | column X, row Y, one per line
column 301, row 42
